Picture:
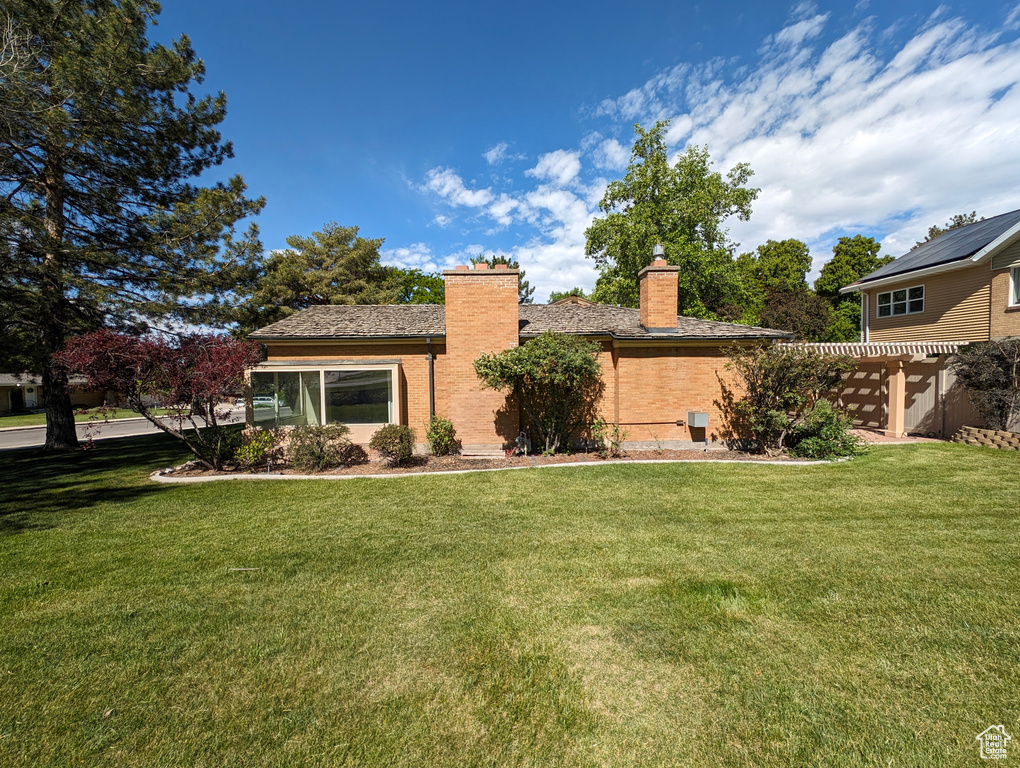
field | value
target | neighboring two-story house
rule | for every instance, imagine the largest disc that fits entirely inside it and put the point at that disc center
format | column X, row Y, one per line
column 960, row 288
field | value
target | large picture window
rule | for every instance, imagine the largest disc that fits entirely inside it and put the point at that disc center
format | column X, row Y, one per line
column 905, row 301
column 283, row 398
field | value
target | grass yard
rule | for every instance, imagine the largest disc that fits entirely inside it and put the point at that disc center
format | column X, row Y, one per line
column 862, row 613
column 39, row 419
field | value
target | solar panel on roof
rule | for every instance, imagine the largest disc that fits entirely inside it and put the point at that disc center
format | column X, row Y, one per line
column 954, row 245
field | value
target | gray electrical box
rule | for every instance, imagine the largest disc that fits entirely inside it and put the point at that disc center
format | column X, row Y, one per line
column 697, row 419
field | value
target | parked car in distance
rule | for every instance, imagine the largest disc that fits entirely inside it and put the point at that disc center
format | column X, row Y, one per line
column 263, row 402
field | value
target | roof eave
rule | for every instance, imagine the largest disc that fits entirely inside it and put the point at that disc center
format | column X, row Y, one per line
column 333, row 337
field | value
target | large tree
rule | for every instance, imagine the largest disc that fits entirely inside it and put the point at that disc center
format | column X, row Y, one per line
column 100, row 139
column 334, row 266
column 776, row 270
column 683, row 206
column 852, row 258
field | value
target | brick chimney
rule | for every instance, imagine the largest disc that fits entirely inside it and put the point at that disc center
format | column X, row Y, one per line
column 481, row 316
column 658, row 294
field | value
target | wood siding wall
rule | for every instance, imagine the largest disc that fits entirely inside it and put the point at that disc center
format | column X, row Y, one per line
column 956, row 308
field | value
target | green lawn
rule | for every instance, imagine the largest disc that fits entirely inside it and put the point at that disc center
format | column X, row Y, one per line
column 862, row 613
column 39, row 419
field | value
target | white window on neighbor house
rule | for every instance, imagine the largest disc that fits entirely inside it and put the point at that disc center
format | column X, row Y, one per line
column 905, row 301
column 283, row 396
column 1014, row 287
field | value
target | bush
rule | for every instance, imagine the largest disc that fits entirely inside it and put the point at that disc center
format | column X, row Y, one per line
column 608, row 438
column 825, row 434
column 324, row 447
column 258, row 448
column 990, row 372
column 781, row 384
column 555, row 378
column 395, row 442
column 442, row 437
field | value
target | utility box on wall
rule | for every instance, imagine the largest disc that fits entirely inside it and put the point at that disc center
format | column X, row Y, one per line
column 697, row 419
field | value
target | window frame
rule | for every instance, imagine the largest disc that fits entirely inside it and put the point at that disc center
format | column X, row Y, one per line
column 394, row 406
column 1014, row 285
column 891, row 303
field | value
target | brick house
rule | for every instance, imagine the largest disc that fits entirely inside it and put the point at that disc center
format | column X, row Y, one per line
column 367, row 366
column 962, row 287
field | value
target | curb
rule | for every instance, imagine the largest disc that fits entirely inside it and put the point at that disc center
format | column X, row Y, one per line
column 80, row 423
column 159, row 477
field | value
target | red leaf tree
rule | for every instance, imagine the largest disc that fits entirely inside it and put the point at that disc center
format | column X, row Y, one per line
column 191, row 377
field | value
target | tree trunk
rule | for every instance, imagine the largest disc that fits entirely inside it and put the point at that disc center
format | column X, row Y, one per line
column 60, row 431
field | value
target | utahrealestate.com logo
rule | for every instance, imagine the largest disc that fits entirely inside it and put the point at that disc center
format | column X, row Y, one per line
column 993, row 742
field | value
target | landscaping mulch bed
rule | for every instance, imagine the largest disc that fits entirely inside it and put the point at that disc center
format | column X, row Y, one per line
column 426, row 464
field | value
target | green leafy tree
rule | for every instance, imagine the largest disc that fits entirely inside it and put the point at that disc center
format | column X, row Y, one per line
column 100, row 139
column 798, row 310
column 525, row 291
column 852, row 258
column 555, row 378
column 778, row 267
column 959, row 220
column 334, row 266
column 575, row 291
column 417, row 287
column 684, row 207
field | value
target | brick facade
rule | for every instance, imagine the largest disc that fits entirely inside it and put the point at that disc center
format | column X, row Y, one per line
column 650, row 385
column 658, row 295
column 481, row 316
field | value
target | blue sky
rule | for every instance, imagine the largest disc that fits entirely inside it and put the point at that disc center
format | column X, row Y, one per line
column 451, row 129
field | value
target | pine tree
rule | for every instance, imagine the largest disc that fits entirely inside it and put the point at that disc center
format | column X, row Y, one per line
column 100, row 137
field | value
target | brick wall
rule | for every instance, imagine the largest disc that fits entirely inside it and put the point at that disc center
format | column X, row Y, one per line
column 657, row 385
column 481, row 316
column 1005, row 320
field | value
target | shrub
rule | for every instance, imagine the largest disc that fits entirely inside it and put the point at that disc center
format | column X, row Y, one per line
column 825, row 434
column 608, row 438
column 555, row 378
column 315, row 448
column 442, row 437
column 395, row 442
column 781, row 383
column 258, row 448
column 990, row 372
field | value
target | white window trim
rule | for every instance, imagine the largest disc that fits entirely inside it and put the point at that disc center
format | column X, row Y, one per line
column 394, row 368
column 1013, row 272
column 890, row 316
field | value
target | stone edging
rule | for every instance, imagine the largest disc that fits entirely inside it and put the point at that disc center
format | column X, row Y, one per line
column 990, row 438
column 159, row 477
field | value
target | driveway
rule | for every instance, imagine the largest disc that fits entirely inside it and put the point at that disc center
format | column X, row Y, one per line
column 35, row 437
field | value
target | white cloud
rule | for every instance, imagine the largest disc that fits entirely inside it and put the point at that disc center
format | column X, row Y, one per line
column 559, row 167
column 450, row 186
column 842, row 138
column 495, row 155
column 611, row 155
column 442, row 221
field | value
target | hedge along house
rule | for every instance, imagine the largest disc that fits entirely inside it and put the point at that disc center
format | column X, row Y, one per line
column 366, row 366
column 960, row 288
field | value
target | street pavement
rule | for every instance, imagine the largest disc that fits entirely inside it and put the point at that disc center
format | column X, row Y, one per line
column 35, row 437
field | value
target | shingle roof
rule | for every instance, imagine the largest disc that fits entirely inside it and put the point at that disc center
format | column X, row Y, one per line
column 420, row 321
column 15, row 379
column 954, row 245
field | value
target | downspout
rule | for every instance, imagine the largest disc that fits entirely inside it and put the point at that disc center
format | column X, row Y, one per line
column 432, row 379
column 865, row 317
